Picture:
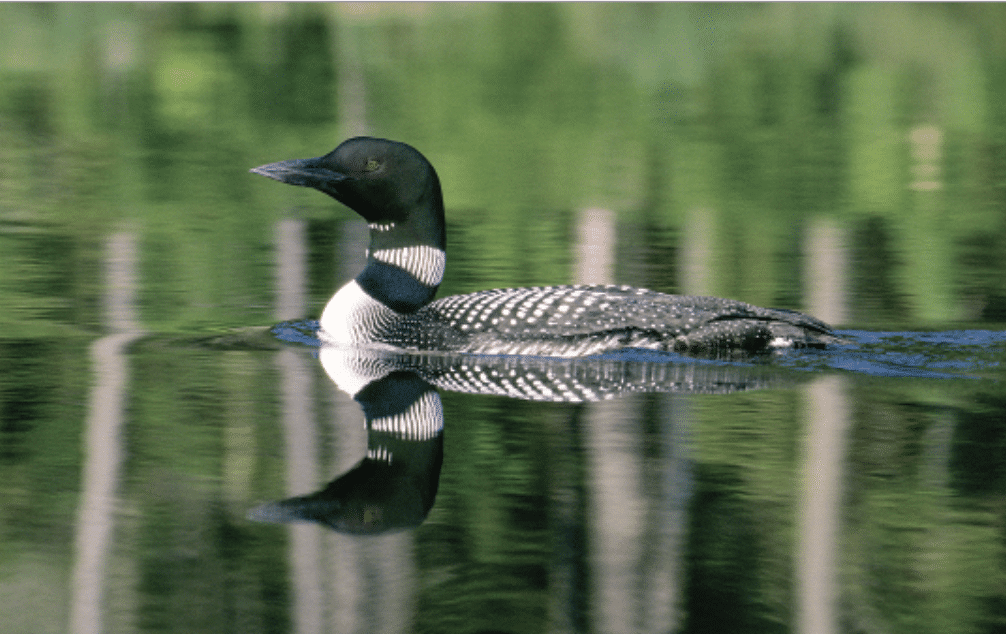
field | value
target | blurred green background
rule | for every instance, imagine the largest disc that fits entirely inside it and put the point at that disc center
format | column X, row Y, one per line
column 749, row 119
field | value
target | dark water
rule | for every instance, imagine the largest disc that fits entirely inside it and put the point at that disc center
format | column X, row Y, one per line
column 162, row 391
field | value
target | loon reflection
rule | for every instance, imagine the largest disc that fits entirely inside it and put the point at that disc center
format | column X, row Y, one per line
column 393, row 487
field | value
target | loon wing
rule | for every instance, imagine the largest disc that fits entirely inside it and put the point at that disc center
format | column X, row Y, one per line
column 578, row 320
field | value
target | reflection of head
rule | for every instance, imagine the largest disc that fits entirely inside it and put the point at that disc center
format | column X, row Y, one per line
column 373, row 497
column 394, row 486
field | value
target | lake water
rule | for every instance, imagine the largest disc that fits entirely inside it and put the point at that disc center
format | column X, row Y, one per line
column 175, row 455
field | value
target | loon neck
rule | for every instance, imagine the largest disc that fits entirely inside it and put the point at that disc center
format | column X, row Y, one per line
column 402, row 272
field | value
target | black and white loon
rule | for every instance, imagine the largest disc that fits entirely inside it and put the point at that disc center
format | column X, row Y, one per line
column 390, row 303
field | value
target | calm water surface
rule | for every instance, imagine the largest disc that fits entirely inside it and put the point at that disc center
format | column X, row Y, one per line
column 795, row 491
column 176, row 457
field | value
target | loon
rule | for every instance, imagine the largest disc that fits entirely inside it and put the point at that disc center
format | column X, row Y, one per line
column 391, row 303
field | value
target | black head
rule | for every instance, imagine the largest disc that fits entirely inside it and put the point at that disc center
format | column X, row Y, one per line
column 383, row 181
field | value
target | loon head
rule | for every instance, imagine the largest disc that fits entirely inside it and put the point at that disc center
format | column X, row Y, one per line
column 397, row 192
column 390, row 184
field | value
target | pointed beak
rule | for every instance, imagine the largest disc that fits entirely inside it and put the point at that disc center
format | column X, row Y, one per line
column 303, row 173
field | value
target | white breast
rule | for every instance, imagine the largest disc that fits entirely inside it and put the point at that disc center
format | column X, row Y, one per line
column 353, row 317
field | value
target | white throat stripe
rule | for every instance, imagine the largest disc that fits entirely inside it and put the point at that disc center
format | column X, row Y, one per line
column 423, row 420
column 424, row 263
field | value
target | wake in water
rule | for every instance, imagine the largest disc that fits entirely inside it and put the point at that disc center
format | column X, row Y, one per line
column 947, row 354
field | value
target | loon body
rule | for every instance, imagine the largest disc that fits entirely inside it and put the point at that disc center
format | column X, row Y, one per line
column 391, row 304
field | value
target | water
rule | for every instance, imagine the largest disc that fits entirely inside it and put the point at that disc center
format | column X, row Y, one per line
column 161, row 385
column 800, row 489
